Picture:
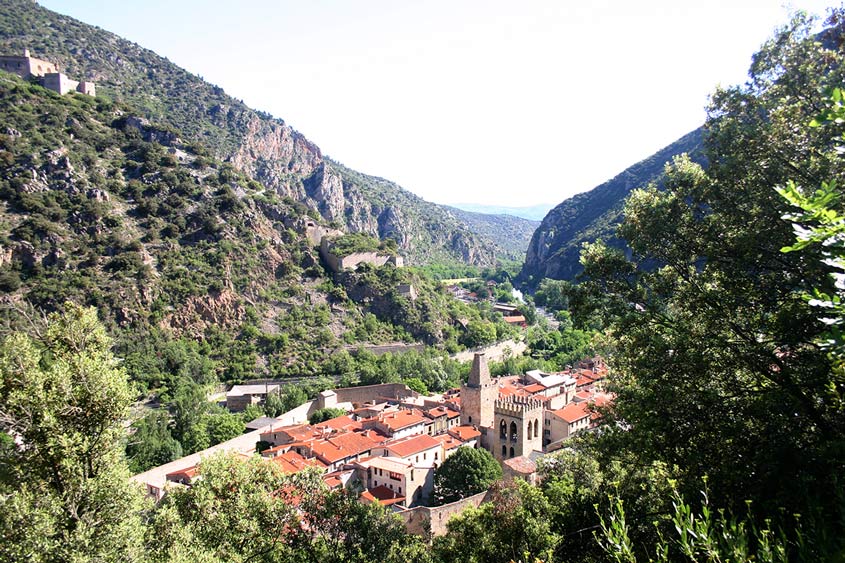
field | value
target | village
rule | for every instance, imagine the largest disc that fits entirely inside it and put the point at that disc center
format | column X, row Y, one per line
column 391, row 440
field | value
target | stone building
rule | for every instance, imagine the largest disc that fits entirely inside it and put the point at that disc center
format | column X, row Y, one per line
column 478, row 395
column 516, row 428
column 517, row 416
column 27, row 66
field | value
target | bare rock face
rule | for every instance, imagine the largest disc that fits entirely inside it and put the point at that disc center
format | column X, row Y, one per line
column 273, row 153
column 392, row 224
column 325, row 190
column 223, row 310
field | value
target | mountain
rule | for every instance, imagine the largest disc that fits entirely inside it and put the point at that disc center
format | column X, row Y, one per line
column 198, row 270
column 510, row 233
column 532, row 212
column 555, row 247
column 266, row 149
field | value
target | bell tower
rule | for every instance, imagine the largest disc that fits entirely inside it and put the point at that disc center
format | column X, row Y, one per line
column 478, row 394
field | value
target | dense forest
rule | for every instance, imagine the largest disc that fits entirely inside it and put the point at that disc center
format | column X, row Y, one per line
column 722, row 328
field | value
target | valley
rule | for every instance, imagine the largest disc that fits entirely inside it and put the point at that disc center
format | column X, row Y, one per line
column 219, row 344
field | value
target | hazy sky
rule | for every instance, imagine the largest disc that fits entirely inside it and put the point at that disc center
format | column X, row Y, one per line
column 502, row 102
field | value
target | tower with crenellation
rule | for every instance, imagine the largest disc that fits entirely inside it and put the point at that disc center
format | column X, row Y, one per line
column 516, row 429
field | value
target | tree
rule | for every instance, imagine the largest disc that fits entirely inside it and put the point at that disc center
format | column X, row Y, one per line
column 249, row 510
column 223, row 426
column 515, row 525
column 66, row 494
column 464, row 473
column 416, row 384
column 717, row 365
column 152, row 443
column 189, row 407
column 240, row 510
column 325, row 414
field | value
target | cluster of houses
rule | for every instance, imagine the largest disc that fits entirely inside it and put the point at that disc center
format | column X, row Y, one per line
column 510, row 312
column 388, row 447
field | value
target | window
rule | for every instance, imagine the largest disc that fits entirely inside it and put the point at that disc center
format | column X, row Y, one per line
column 504, row 451
column 503, row 429
column 511, row 451
column 513, row 431
column 469, row 419
column 535, row 428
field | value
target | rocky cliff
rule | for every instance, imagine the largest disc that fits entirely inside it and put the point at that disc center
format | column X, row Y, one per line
column 266, row 149
column 555, row 247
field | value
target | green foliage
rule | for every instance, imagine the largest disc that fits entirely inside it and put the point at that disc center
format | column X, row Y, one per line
column 65, row 495
column 325, row 414
column 352, row 243
column 515, row 525
column 464, row 473
column 152, row 444
column 700, row 535
column 248, row 510
column 715, row 346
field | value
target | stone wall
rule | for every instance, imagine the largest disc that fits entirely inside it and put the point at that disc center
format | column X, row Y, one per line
column 425, row 520
column 365, row 393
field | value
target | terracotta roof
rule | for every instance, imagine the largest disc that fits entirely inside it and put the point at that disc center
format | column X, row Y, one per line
column 399, row 420
column 188, row 473
column 292, row 462
column 514, row 319
column 437, row 412
column 343, row 422
column 465, row 433
column 448, row 441
column 382, row 495
column 573, row 412
column 341, row 446
column 521, row 464
column 534, row 388
column 410, row 445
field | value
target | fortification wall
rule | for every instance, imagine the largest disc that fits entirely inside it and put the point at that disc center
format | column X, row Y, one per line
column 363, row 394
column 425, row 520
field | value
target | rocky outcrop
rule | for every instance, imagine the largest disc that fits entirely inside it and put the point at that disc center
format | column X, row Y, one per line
column 555, row 248
column 277, row 156
column 224, row 310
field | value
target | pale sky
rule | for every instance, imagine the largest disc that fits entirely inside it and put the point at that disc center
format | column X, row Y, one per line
column 500, row 102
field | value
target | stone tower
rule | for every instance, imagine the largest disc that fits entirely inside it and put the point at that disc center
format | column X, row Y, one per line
column 478, row 395
column 516, row 430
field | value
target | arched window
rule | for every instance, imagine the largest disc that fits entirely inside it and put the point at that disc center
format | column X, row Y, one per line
column 504, row 451
column 469, row 419
column 513, row 431
column 511, row 451
column 529, row 429
column 503, row 430
column 536, row 429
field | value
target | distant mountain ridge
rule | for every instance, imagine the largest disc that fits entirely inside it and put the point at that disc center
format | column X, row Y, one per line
column 530, row 212
column 555, row 247
column 511, row 234
column 265, row 148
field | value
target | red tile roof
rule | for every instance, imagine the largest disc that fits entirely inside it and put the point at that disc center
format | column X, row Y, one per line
column 343, row 422
column 534, row 388
column 465, row 433
column 341, row 446
column 448, row 441
column 292, row 462
column 400, row 420
column 573, row 412
column 411, row 445
column 382, row 495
